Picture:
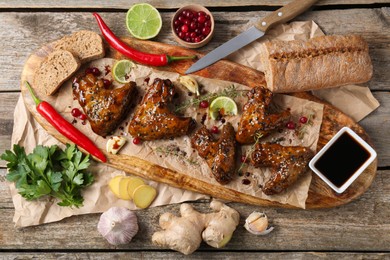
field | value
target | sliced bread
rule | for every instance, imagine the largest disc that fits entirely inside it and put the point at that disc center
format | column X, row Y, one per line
column 86, row 45
column 54, row 70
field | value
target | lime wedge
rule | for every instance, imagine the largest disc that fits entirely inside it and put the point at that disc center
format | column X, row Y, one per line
column 121, row 71
column 224, row 106
column 143, row 21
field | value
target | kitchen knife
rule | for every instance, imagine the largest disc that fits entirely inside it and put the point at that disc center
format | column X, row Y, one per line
column 281, row 15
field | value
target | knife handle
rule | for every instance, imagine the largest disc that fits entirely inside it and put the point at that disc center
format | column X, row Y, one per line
column 284, row 14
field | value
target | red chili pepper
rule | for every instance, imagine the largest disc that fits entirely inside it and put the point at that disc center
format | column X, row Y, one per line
column 138, row 56
column 65, row 128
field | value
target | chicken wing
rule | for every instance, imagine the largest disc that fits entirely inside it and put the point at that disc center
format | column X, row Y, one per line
column 153, row 120
column 288, row 163
column 219, row 154
column 257, row 118
column 105, row 108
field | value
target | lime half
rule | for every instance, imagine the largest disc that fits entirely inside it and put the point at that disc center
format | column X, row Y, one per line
column 121, row 71
column 224, row 106
column 143, row 21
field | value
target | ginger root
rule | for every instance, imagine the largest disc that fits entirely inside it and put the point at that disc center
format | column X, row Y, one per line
column 185, row 233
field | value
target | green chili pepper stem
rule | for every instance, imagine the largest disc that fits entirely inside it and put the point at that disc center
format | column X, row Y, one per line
column 173, row 58
column 36, row 100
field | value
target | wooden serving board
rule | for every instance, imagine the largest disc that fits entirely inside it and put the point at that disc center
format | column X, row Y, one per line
column 320, row 195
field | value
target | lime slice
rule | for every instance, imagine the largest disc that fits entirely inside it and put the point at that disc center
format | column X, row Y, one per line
column 143, row 21
column 121, row 71
column 224, row 106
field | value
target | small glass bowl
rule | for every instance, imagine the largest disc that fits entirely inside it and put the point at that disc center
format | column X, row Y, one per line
column 193, row 45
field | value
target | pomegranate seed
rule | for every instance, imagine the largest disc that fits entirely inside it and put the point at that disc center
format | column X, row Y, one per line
column 243, row 158
column 176, row 23
column 76, row 112
column 106, row 83
column 201, row 19
column 95, row 71
column 82, row 116
column 303, row 119
column 204, row 104
column 137, row 141
column 193, row 25
column 206, row 31
column 290, row 125
column 214, row 130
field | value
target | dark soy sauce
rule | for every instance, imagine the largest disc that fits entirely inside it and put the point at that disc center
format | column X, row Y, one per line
column 343, row 158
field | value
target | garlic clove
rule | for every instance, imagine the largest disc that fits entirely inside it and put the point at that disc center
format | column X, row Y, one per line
column 118, row 225
column 190, row 83
column 115, row 143
column 257, row 224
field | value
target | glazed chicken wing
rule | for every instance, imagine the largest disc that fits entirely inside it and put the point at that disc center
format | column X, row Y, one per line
column 219, row 154
column 105, row 108
column 257, row 117
column 153, row 120
column 288, row 163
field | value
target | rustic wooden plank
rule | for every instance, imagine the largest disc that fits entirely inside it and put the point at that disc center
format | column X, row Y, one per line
column 198, row 255
column 32, row 30
column 362, row 225
column 124, row 5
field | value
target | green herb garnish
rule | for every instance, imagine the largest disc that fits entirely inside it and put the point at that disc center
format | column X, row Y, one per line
column 49, row 171
column 249, row 153
column 230, row 91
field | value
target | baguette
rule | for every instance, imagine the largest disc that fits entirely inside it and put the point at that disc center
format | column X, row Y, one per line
column 321, row 62
column 86, row 45
column 54, row 70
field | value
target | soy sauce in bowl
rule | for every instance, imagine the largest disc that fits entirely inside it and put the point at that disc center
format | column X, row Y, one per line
column 342, row 159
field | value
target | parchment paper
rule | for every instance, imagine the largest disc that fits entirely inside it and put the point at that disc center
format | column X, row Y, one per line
column 98, row 198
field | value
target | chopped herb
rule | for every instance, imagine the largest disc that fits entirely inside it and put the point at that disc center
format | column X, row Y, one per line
column 230, row 91
column 49, row 171
column 257, row 138
column 172, row 150
column 303, row 128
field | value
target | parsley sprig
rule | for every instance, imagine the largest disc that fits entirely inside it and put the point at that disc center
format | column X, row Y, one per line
column 49, row 171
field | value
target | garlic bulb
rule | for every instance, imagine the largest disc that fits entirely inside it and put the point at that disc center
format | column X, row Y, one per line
column 118, row 225
column 257, row 224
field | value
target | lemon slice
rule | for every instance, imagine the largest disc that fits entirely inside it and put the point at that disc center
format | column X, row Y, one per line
column 224, row 106
column 143, row 21
column 121, row 71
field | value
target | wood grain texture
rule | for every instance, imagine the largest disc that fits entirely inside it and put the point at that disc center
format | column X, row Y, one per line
column 31, row 30
column 320, row 195
column 124, row 5
column 363, row 225
column 358, row 230
column 199, row 255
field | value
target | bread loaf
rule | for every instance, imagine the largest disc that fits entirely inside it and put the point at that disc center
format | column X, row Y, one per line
column 86, row 45
column 55, row 70
column 321, row 62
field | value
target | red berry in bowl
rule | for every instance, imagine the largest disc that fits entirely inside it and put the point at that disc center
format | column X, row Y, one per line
column 198, row 25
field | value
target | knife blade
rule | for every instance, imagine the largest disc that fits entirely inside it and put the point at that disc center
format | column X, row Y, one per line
column 255, row 32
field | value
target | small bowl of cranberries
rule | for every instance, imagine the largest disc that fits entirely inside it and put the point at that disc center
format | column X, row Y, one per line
column 193, row 26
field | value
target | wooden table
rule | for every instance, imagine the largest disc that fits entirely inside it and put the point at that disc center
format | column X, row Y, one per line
column 360, row 229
